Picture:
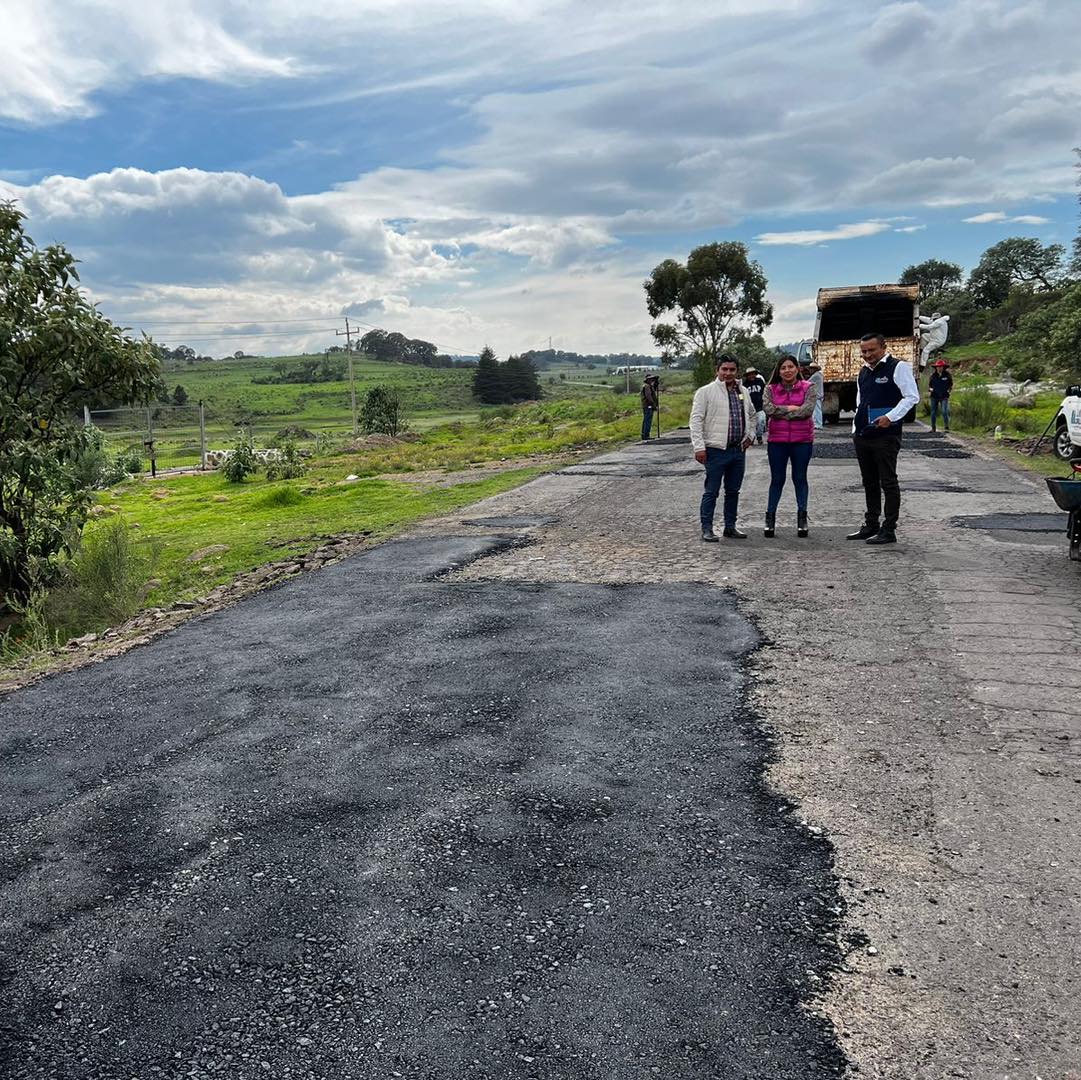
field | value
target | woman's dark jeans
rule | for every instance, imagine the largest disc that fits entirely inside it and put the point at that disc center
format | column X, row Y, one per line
column 780, row 454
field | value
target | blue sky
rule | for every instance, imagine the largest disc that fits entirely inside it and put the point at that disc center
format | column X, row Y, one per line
column 239, row 176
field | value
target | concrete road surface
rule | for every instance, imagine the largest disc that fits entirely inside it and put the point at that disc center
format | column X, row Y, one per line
column 509, row 799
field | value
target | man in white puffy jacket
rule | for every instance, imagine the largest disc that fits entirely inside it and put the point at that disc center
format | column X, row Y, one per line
column 722, row 427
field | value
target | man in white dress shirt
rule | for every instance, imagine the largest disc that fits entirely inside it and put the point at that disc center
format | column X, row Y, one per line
column 886, row 392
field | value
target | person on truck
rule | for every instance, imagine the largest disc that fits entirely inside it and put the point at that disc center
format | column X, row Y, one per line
column 941, row 383
column 933, row 334
column 886, row 392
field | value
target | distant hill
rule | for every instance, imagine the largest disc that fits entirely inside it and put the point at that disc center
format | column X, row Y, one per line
column 545, row 358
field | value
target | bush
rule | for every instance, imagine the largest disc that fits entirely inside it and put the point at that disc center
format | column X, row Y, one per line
column 282, row 496
column 978, row 409
column 104, row 583
column 241, row 463
column 382, row 412
column 289, row 466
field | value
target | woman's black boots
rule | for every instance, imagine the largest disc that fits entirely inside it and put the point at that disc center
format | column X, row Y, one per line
column 771, row 521
column 801, row 524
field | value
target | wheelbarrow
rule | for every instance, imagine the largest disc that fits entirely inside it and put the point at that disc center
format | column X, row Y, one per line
column 1067, row 496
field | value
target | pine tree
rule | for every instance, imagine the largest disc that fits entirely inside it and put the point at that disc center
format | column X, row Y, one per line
column 521, row 379
column 488, row 380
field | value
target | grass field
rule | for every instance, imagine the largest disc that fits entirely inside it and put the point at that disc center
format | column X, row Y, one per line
column 173, row 517
column 234, row 401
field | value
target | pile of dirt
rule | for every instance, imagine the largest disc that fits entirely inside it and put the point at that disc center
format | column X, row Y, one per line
column 294, row 431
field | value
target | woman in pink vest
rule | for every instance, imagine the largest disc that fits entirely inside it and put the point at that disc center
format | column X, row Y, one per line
column 788, row 403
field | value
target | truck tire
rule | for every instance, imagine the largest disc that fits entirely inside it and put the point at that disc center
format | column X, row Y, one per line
column 831, row 407
column 1063, row 444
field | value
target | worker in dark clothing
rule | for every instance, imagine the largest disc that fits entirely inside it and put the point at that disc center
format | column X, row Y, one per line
column 651, row 402
column 755, row 385
column 940, row 386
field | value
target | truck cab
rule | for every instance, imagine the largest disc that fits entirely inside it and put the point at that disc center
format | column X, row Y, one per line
column 1067, row 444
column 844, row 315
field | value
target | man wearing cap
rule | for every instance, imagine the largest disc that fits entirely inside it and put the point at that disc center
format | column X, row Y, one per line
column 940, row 386
column 756, row 386
column 650, row 403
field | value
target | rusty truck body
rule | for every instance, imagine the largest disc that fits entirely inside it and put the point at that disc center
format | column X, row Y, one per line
column 844, row 315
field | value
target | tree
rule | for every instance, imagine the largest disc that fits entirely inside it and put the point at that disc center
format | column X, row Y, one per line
column 1075, row 262
column 57, row 353
column 1018, row 260
column 933, row 276
column 488, row 384
column 520, row 380
column 382, row 412
column 1051, row 335
column 720, row 286
column 180, row 395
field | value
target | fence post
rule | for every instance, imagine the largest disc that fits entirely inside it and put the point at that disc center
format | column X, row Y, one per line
column 86, row 416
column 150, row 441
column 202, row 436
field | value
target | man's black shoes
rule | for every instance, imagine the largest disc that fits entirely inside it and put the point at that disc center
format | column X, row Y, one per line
column 732, row 533
column 710, row 536
column 883, row 536
column 864, row 532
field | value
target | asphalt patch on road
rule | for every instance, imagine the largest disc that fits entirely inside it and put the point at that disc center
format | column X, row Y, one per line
column 944, row 452
column 1038, row 523
column 375, row 822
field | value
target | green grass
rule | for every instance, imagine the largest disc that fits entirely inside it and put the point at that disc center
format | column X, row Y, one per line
column 259, row 522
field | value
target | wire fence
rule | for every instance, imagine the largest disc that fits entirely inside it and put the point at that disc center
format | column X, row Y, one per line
column 175, row 437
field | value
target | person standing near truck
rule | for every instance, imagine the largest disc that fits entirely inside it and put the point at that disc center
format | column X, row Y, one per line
column 722, row 423
column 886, row 392
column 940, row 385
column 650, row 403
column 813, row 374
column 756, row 385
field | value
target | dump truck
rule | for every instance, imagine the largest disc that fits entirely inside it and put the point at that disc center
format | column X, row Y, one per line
column 844, row 315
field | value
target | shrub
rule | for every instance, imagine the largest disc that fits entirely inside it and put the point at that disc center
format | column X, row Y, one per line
column 382, row 412
column 241, row 463
column 978, row 409
column 104, row 583
column 282, row 496
column 289, row 466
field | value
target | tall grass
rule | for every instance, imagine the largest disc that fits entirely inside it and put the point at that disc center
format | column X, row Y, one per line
column 105, row 582
column 978, row 409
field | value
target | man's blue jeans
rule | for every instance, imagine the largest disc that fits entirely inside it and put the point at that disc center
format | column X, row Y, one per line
column 727, row 467
column 944, row 405
column 780, row 454
column 647, row 420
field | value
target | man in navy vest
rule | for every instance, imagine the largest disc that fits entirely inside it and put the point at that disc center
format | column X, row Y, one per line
column 886, row 392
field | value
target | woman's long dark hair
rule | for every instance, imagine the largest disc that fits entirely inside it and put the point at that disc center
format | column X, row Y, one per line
column 776, row 376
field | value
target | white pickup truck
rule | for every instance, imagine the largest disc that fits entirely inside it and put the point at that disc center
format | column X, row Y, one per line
column 1067, row 443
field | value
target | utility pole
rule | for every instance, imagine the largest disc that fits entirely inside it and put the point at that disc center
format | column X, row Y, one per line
column 347, row 334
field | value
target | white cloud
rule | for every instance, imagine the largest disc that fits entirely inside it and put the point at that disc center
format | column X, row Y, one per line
column 910, row 228
column 805, row 237
column 994, row 216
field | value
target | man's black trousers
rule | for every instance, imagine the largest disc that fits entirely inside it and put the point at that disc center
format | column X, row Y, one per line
column 877, row 456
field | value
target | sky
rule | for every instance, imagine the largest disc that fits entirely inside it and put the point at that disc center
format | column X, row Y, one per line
column 238, row 175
